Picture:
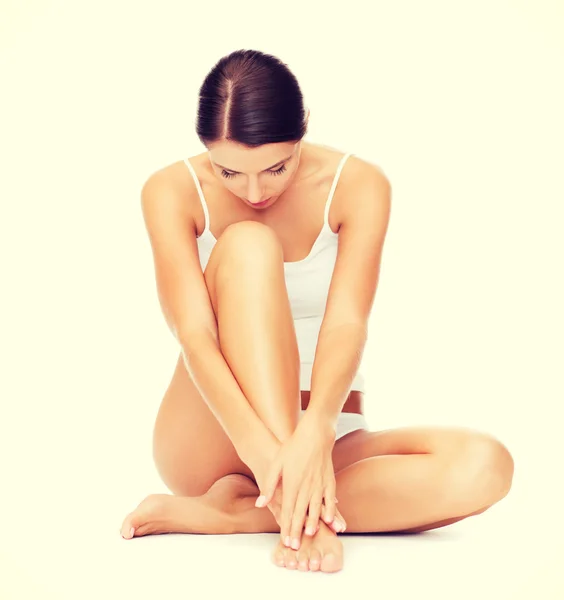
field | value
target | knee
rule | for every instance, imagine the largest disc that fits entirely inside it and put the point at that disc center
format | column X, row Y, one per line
column 247, row 247
column 482, row 474
column 250, row 241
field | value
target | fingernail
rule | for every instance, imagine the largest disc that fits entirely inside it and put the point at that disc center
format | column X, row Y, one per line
column 309, row 530
column 261, row 501
column 295, row 544
column 287, row 541
column 131, row 532
column 337, row 525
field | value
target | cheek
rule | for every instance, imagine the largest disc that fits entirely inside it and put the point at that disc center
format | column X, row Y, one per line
column 231, row 184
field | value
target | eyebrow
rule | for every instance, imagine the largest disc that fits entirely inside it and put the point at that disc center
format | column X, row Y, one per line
column 272, row 167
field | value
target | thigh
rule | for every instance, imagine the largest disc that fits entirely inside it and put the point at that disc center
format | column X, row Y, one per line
column 449, row 442
column 190, row 448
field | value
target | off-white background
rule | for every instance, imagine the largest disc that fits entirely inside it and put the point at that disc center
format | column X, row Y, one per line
column 459, row 103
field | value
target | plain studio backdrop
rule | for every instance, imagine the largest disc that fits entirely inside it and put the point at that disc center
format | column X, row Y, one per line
column 460, row 104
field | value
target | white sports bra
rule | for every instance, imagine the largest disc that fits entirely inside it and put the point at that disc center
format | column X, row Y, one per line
column 307, row 282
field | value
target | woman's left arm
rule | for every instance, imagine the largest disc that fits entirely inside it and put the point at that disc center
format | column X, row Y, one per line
column 305, row 461
column 343, row 333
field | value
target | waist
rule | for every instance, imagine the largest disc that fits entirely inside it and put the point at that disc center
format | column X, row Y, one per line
column 353, row 404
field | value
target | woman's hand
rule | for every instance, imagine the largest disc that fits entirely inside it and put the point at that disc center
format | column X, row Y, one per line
column 308, row 481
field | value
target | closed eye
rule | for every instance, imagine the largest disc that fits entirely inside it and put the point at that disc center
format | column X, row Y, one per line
column 279, row 171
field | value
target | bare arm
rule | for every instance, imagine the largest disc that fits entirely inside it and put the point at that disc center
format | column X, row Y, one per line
column 187, row 309
column 351, row 294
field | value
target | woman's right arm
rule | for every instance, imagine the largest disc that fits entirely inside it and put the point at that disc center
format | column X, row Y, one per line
column 187, row 309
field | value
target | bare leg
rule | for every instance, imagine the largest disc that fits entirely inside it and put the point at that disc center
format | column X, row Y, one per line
column 245, row 279
column 416, row 492
column 398, row 492
column 376, row 493
column 246, row 285
column 248, row 291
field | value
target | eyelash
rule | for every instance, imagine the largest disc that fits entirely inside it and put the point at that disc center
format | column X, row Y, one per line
column 277, row 172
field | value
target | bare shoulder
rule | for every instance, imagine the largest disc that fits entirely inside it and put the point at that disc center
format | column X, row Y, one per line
column 364, row 191
column 361, row 171
column 355, row 166
column 172, row 187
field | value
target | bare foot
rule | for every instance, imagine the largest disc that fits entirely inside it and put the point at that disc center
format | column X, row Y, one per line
column 322, row 552
column 214, row 512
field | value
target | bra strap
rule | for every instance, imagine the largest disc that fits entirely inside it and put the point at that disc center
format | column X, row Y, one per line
column 335, row 181
column 200, row 194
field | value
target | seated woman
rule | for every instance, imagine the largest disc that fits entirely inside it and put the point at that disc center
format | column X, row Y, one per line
column 267, row 253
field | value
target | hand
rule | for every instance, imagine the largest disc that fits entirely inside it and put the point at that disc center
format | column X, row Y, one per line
column 308, row 480
column 260, row 465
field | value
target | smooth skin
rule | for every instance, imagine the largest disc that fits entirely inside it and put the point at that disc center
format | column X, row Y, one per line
column 405, row 480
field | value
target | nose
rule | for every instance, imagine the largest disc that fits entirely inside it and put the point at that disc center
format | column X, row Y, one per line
column 254, row 193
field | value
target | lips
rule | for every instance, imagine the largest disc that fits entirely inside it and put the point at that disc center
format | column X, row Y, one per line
column 263, row 202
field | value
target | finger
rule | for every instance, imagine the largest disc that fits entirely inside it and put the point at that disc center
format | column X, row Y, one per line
column 329, row 500
column 269, row 487
column 299, row 517
column 339, row 524
column 276, row 503
column 314, row 512
column 289, row 494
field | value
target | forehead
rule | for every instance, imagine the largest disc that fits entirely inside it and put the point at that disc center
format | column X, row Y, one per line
column 241, row 159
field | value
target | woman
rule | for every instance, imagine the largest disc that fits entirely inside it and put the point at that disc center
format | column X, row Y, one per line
column 266, row 272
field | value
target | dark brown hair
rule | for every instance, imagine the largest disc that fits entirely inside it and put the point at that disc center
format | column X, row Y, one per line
column 250, row 98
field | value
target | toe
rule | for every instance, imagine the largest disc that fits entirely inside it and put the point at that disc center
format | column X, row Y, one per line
column 302, row 556
column 331, row 563
column 149, row 509
column 290, row 558
column 314, row 560
column 128, row 528
column 278, row 556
